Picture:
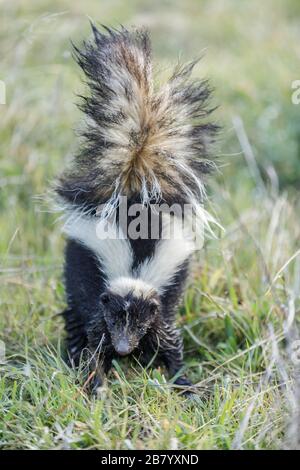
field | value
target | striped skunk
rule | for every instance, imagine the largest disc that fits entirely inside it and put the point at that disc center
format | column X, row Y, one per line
column 150, row 147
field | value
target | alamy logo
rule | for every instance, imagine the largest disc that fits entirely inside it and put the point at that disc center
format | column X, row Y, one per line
column 2, row 352
column 295, row 353
column 296, row 93
column 2, row 92
column 154, row 222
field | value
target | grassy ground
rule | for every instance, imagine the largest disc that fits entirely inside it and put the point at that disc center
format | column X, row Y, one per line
column 239, row 313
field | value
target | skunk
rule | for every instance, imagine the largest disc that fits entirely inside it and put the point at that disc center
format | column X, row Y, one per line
column 151, row 147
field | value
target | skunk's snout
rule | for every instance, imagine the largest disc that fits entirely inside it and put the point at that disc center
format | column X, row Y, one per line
column 123, row 347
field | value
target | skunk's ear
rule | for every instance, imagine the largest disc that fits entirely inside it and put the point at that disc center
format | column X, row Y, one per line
column 105, row 298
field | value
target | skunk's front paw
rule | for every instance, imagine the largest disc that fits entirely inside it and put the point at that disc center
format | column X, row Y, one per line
column 95, row 385
column 183, row 381
column 186, row 387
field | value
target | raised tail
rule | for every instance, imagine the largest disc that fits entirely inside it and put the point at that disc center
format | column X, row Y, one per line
column 138, row 140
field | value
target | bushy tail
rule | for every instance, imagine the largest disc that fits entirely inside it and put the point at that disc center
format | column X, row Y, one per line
column 138, row 140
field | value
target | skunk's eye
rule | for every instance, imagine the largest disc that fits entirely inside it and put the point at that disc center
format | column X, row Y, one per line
column 105, row 298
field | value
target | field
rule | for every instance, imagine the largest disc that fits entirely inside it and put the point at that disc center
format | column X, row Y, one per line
column 239, row 315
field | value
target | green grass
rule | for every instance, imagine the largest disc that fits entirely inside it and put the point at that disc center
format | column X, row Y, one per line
column 240, row 309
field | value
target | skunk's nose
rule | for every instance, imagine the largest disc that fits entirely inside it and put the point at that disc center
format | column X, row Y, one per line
column 123, row 347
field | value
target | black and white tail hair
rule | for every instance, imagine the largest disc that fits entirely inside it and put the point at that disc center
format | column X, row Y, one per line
column 138, row 141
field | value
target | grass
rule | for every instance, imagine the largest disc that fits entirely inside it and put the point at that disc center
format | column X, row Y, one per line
column 239, row 315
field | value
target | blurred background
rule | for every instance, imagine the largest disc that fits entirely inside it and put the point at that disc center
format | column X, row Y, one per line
column 249, row 277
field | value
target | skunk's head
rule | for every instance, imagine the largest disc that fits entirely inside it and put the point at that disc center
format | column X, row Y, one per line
column 130, row 308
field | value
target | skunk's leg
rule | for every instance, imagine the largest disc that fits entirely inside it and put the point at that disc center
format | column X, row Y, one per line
column 101, row 353
column 100, row 367
column 84, row 284
column 76, row 336
column 171, row 351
